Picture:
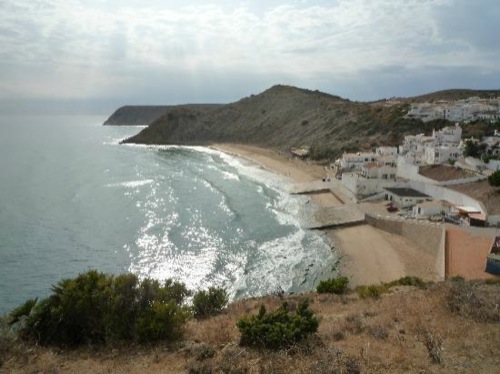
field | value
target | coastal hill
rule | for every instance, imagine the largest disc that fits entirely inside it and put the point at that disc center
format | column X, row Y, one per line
column 283, row 117
column 453, row 94
column 136, row 115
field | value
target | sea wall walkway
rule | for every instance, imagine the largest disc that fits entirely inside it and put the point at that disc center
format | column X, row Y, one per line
column 346, row 213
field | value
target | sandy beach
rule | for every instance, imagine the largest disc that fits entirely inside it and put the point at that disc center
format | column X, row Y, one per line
column 367, row 255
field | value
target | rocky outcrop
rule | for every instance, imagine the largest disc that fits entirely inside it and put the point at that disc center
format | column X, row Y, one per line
column 133, row 115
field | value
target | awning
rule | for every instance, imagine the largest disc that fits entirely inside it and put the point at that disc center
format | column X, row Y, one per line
column 478, row 216
column 468, row 209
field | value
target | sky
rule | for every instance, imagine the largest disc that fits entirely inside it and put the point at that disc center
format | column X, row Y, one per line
column 96, row 55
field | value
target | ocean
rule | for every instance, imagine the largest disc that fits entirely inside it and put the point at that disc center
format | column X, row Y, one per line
column 72, row 199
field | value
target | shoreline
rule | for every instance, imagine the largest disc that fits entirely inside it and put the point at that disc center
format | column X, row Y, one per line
column 297, row 171
column 366, row 255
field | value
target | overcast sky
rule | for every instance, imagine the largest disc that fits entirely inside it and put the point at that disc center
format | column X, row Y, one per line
column 95, row 55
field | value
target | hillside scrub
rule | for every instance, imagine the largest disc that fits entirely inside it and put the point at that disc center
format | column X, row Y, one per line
column 284, row 117
column 494, row 179
column 408, row 329
column 333, row 285
column 209, row 303
column 278, row 329
column 96, row 308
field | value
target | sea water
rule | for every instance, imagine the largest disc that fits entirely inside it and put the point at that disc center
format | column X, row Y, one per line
column 72, row 199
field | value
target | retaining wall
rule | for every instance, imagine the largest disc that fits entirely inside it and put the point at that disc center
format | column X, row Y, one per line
column 458, row 251
column 426, row 236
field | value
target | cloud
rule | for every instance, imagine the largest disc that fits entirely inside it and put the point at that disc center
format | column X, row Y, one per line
column 89, row 49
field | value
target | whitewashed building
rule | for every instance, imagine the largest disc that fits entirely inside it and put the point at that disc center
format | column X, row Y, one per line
column 414, row 146
column 442, row 146
column 354, row 161
column 431, row 208
column 448, row 134
column 378, row 170
column 405, row 197
column 459, row 110
column 387, row 151
column 439, row 154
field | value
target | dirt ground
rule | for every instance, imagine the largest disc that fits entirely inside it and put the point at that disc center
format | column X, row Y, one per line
column 405, row 331
column 444, row 172
column 482, row 191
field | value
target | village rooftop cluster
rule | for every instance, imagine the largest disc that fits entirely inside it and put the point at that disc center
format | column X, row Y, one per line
column 393, row 173
column 473, row 108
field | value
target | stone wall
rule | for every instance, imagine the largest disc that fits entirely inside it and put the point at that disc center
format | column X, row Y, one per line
column 457, row 250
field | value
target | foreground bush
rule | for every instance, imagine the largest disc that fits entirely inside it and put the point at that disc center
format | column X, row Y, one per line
column 474, row 300
column 278, row 329
column 333, row 285
column 374, row 291
column 96, row 308
column 408, row 281
column 209, row 303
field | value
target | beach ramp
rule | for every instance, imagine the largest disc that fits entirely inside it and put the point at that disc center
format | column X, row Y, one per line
column 310, row 187
column 339, row 216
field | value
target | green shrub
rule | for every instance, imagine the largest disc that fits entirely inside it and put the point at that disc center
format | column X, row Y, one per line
column 494, row 179
column 408, row 281
column 22, row 311
column 374, row 291
column 457, row 279
column 333, row 285
column 96, row 308
column 279, row 329
column 162, row 321
column 209, row 303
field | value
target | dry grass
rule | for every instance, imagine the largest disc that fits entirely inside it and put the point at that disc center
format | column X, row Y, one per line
column 443, row 329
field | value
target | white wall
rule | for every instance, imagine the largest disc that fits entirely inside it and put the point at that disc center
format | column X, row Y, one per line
column 410, row 171
column 493, row 220
column 441, row 193
column 493, row 165
column 462, row 181
column 427, row 211
column 361, row 187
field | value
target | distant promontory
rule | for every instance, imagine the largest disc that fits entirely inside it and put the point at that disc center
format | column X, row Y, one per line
column 142, row 115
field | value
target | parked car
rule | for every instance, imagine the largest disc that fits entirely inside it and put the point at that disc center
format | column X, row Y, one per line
column 391, row 208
